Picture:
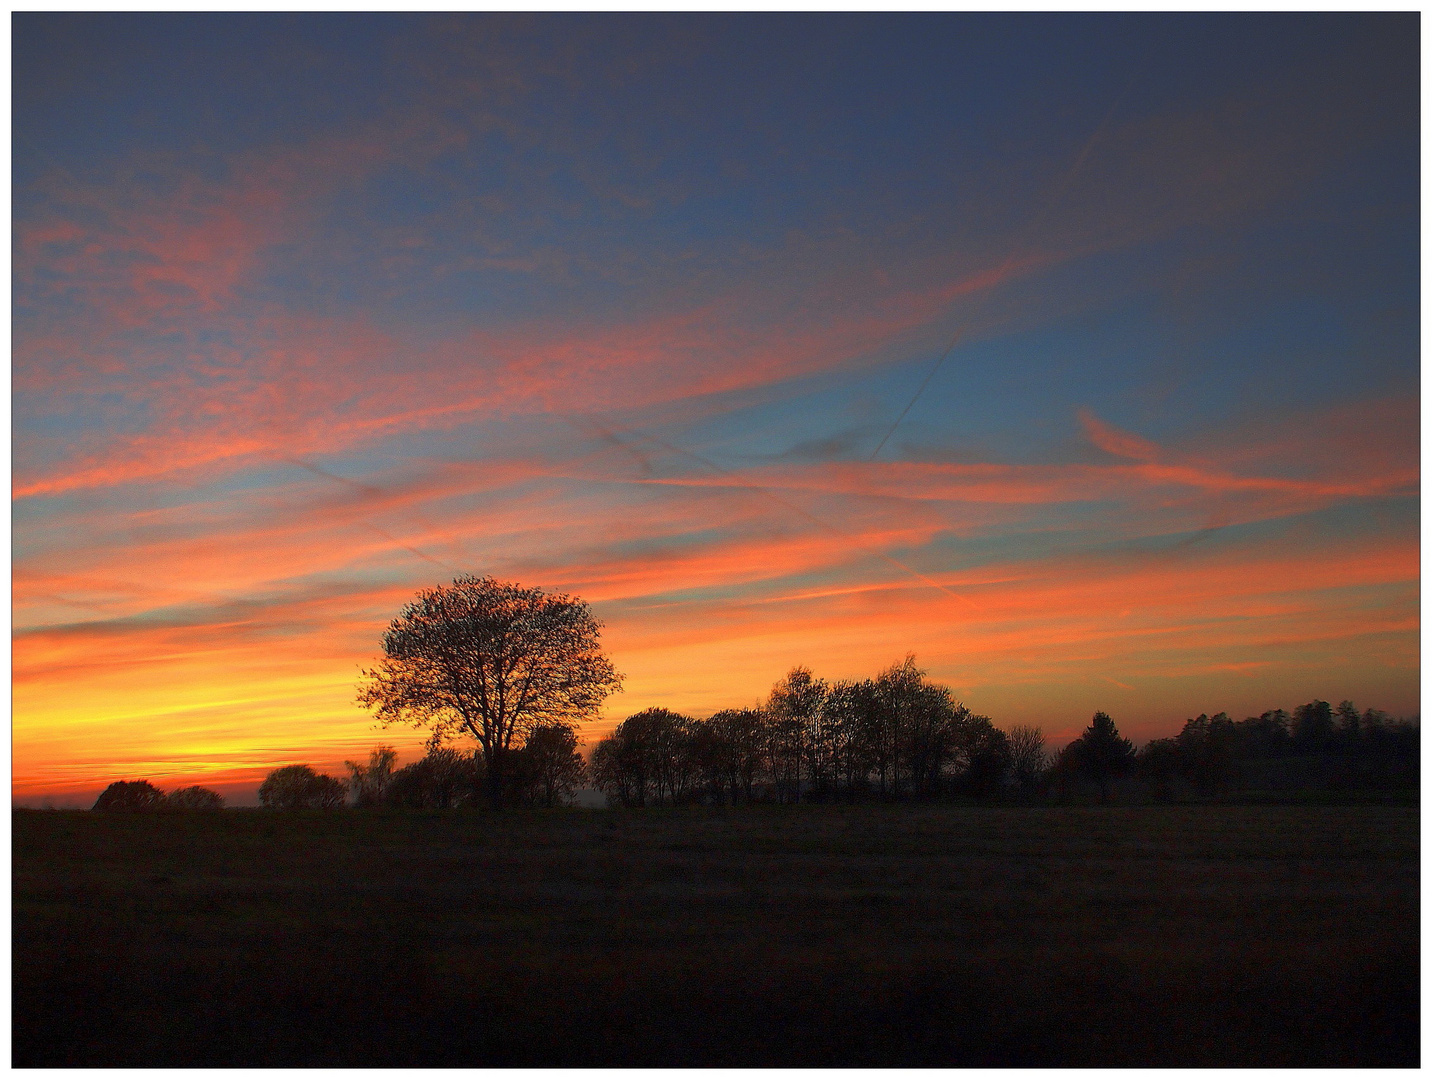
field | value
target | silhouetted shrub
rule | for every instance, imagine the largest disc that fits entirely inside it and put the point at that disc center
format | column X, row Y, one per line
column 130, row 795
column 298, row 787
column 442, row 780
column 193, row 798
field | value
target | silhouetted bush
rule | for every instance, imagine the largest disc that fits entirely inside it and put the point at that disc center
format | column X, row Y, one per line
column 193, row 798
column 130, row 795
column 442, row 780
column 298, row 787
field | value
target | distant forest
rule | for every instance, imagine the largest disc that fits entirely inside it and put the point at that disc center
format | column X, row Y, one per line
column 897, row 736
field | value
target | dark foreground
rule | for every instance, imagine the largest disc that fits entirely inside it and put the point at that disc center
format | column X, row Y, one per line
column 868, row 935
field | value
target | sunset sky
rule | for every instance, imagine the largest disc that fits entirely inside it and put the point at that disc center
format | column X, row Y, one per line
column 311, row 312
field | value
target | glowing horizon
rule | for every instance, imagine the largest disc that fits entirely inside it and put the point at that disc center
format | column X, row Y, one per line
column 650, row 310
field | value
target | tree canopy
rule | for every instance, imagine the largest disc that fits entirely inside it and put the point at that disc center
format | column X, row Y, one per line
column 892, row 736
column 194, row 798
column 1101, row 753
column 142, row 795
column 130, row 795
column 550, row 770
column 298, row 787
column 492, row 661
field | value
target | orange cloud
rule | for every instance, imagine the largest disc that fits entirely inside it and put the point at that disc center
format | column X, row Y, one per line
column 210, row 640
column 217, row 634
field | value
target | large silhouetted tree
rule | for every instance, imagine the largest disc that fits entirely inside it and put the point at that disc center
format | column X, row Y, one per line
column 1313, row 725
column 1207, row 751
column 1349, row 724
column 1101, row 753
column 915, row 736
column 712, row 761
column 852, row 710
column 1159, row 761
column 741, row 734
column 492, row 661
column 1268, row 735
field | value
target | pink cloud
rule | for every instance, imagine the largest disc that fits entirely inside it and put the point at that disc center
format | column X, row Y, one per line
column 1119, row 443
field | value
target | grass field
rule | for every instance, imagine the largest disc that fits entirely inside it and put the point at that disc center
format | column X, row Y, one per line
column 805, row 935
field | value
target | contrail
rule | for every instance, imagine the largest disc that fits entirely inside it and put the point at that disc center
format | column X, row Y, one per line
column 810, row 517
column 408, row 547
column 1040, row 213
column 911, row 403
column 794, row 508
column 356, row 485
column 589, row 423
column 368, row 490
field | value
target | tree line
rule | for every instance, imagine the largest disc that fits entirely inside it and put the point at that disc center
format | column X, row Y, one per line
column 1315, row 745
column 515, row 671
column 893, row 736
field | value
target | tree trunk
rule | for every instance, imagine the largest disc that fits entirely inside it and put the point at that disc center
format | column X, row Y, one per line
column 494, row 781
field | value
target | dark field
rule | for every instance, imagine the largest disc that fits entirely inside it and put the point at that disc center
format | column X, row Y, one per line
column 805, row 935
